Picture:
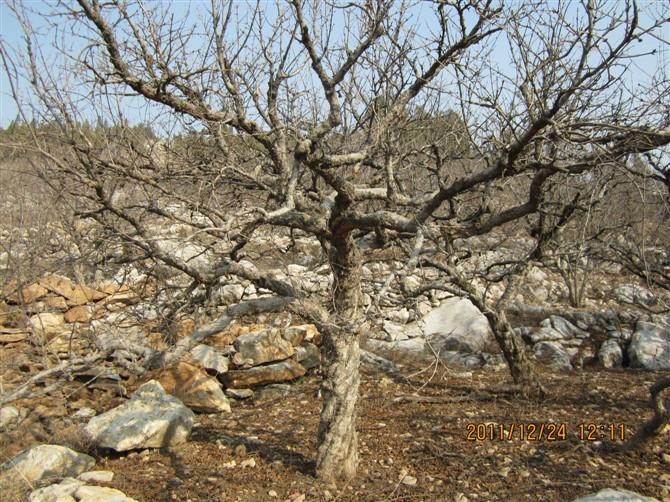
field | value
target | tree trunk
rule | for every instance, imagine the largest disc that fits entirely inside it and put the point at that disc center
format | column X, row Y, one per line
column 337, row 456
column 515, row 354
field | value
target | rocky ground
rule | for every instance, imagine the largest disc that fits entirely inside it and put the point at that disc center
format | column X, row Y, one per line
column 235, row 417
column 411, row 448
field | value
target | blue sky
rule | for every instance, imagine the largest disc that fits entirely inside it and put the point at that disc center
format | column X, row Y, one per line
column 10, row 35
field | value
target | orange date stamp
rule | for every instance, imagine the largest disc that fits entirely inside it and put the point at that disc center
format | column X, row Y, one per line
column 544, row 431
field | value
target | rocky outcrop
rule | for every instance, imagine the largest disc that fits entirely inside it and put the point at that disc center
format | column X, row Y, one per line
column 152, row 418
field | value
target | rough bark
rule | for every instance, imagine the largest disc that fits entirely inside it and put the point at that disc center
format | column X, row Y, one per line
column 515, row 354
column 337, row 456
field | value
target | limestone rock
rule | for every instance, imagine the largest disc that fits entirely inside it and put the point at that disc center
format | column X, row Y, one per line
column 635, row 295
column 263, row 347
column 610, row 354
column 96, row 476
column 261, row 375
column 76, row 490
column 82, row 313
column 9, row 418
column 209, row 358
column 240, row 393
column 28, row 294
column 303, row 333
column 75, row 294
column 412, row 351
column 59, row 492
column 150, row 419
column 231, row 293
column 47, row 323
column 194, row 387
column 615, row 495
column 650, row 347
column 100, row 494
column 553, row 354
column 55, row 302
column 43, row 462
column 308, row 355
column 457, row 325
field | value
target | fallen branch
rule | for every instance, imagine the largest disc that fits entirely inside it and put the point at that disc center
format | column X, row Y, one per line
column 69, row 368
column 442, row 399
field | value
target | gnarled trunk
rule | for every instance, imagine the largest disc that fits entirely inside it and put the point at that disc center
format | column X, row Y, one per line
column 337, row 456
column 516, row 355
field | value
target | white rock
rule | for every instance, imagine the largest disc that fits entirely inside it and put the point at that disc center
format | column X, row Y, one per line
column 650, row 347
column 9, row 418
column 400, row 316
column 615, row 495
column 610, row 354
column 394, row 332
column 240, row 393
column 151, row 419
column 231, row 293
column 96, row 477
column 635, row 295
column 553, row 354
column 209, row 358
column 457, row 325
column 296, row 270
column 48, row 323
column 100, row 494
column 43, row 462
column 60, row 492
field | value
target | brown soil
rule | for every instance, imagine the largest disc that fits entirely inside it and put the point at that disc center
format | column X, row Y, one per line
column 426, row 439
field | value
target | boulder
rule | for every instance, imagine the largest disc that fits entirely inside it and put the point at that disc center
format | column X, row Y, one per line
column 615, row 495
column 152, row 418
column 194, row 387
column 554, row 355
column 261, row 375
column 263, row 347
column 610, row 354
column 635, row 295
column 650, row 347
column 210, row 358
column 457, row 325
column 43, row 462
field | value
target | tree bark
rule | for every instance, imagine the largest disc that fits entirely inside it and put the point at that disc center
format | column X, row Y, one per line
column 337, row 456
column 514, row 350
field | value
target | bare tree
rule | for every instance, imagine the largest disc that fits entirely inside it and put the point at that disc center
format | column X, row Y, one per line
column 316, row 115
